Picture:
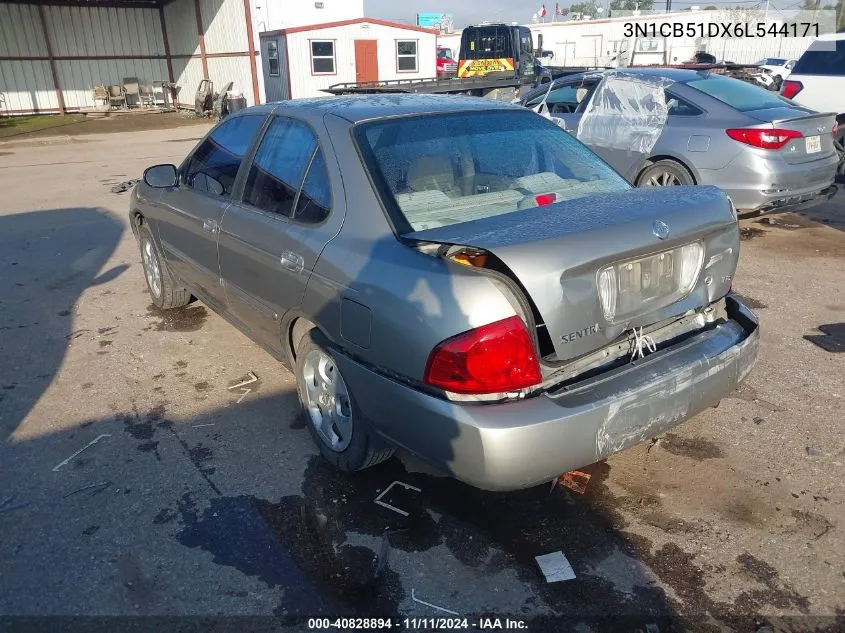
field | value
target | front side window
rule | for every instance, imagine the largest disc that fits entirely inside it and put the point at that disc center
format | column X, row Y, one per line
column 322, row 57
column 406, row 56
column 442, row 169
column 214, row 165
column 526, row 45
column 279, row 166
column 273, row 58
column 739, row 95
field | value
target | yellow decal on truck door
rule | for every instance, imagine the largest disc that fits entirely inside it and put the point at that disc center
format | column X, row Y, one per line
column 480, row 67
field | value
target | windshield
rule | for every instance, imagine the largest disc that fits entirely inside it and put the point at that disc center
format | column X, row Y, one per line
column 739, row 95
column 486, row 42
column 443, row 169
column 444, row 53
column 770, row 61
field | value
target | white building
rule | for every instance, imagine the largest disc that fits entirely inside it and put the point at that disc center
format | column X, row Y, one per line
column 301, row 61
column 601, row 42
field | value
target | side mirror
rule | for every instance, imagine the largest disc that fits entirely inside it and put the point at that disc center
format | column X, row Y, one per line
column 161, row 176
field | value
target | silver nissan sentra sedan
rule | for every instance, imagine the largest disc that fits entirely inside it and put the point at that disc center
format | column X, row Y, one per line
column 455, row 276
column 670, row 126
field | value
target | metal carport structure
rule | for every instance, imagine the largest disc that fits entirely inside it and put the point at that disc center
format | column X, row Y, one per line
column 53, row 52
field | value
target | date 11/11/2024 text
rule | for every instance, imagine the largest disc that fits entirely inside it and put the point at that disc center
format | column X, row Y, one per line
column 419, row 623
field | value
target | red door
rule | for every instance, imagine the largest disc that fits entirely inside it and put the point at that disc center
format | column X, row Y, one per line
column 366, row 60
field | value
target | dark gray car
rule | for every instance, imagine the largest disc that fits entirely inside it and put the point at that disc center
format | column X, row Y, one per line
column 662, row 126
column 455, row 276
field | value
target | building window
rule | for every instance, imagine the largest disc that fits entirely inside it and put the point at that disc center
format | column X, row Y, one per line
column 406, row 56
column 322, row 57
column 649, row 46
column 273, row 58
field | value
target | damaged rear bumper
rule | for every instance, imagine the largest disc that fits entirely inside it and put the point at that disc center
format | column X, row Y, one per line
column 520, row 444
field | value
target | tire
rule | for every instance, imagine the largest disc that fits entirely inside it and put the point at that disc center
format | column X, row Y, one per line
column 665, row 173
column 333, row 418
column 165, row 291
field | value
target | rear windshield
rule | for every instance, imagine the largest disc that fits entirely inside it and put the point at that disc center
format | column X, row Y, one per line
column 442, row 169
column 738, row 94
column 820, row 59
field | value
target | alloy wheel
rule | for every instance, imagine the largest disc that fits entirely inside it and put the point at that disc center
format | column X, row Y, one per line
column 151, row 267
column 328, row 405
column 663, row 179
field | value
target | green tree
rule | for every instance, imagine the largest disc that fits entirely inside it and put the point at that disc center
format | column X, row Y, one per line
column 585, row 8
column 711, row 7
column 631, row 5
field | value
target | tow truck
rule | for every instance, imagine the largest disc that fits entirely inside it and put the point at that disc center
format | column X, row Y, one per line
column 496, row 61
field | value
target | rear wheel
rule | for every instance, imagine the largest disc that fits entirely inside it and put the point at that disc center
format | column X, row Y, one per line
column 164, row 290
column 333, row 419
column 664, row 173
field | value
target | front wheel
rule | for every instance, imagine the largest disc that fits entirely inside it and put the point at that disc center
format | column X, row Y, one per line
column 664, row 173
column 333, row 419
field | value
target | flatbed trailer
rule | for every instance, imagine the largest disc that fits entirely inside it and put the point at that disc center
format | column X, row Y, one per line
column 484, row 86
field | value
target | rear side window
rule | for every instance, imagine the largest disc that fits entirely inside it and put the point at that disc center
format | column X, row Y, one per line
column 739, row 95
column 315, row 199
column 279, row 166
column 215, row 163
column 680, row 107
column 818, row 60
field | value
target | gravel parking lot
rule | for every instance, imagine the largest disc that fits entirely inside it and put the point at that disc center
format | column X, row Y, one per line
column 196, row 498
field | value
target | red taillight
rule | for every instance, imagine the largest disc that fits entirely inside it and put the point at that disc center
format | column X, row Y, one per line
column 545, row 198
column 791, row 88
column 765, row 139
column 497, row 357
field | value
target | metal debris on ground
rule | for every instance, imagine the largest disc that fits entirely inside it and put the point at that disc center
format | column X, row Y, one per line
column 433, row 606
column 381, row 561
column 198, row 426
column 575, row 480
column 6, row 504
column 384, row 504
column 125, row 186
column 244, row 390
column 555, row 567
column 812, row 451
column 100, row 484
column 84, row 448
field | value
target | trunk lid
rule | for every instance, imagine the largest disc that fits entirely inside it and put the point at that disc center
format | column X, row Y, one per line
column 816, row 142
column 557, row 252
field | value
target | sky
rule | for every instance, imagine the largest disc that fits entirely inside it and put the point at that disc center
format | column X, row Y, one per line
column 464, row 11
column 474, row 11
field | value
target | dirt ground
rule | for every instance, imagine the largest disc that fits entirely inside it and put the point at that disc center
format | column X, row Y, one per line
column 115, row 123
column 195, row 499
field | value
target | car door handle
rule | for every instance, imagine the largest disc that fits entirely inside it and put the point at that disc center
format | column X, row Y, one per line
column 210, row 226
column 292, row 261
